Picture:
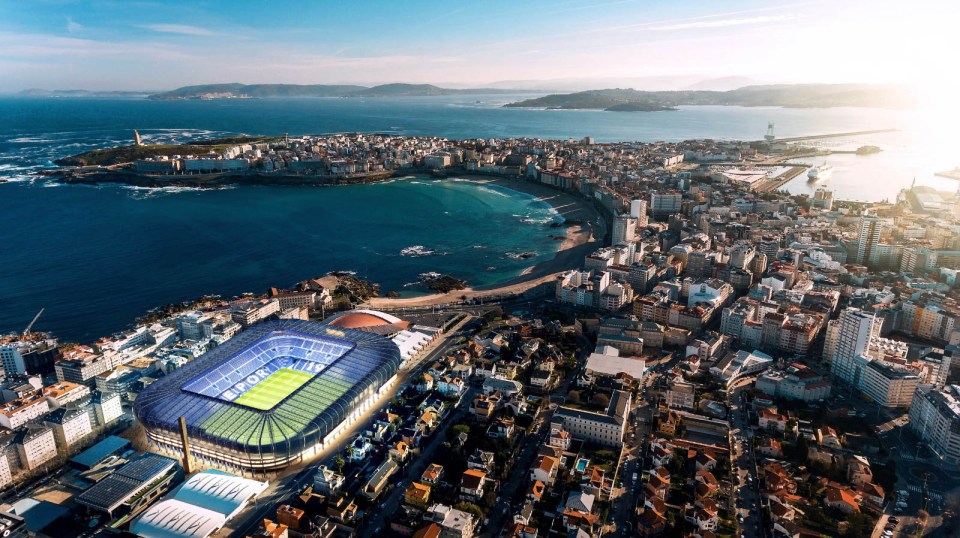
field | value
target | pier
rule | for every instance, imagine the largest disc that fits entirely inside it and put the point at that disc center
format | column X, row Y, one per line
column 950, row 174
column 778, row 182
column 834, row 135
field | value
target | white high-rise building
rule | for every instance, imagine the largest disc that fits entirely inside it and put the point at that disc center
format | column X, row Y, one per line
column 935, row 418
column 638, row 211
column 851, row 336
column 12, row 360
column 624, row 229
column 869, row 237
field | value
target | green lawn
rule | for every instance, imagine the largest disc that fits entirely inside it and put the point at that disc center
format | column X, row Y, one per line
column 269, row 392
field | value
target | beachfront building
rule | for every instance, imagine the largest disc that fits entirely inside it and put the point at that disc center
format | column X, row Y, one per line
column 592, row 289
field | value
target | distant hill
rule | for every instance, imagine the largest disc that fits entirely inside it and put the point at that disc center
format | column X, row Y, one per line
column 257, row 90
column 37, row 92
column 785, row 95
column 236, row 90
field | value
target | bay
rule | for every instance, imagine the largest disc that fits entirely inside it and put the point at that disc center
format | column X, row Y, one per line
column 96, row 257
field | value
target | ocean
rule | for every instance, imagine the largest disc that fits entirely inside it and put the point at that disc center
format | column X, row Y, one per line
column 97, row 257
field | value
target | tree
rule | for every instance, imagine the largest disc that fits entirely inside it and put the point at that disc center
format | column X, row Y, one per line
column 470, row 508
column 460, row 428
column 601, row 399
column 339, row 462
column 573, row 395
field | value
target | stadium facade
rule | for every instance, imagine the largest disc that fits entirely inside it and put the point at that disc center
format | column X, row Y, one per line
column 276, row 393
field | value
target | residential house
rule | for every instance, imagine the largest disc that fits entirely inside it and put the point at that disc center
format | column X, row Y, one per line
column 481, row 461
column 400, row 451
column 453, row 523
column 858, row 471
column 501, row 428
column 559, row 437
column 827, row 436
column 417, row 495
column 771, row 420
column 484, row 406
column 359, row 449
column 472, row 484
column 450, row 385
column 535, row 491
column 872, row 494
column 326, row 481
column 545, row 469
column 842, row 498
column 432, row 474
column 578, row 511
column 770, row 447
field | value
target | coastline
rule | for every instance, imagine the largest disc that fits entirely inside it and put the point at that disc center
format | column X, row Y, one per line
column 581, row 238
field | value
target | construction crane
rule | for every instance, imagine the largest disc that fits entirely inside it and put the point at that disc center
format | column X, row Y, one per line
column 35, row 318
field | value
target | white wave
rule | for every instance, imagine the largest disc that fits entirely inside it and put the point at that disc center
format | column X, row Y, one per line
column 417, row 251
column 19, row 178
column 493, row 191
column 143, row 193
column 29, row 140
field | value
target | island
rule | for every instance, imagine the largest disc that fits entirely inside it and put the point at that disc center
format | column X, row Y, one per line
column 787, row 95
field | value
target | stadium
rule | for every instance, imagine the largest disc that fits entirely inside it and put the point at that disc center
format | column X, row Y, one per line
column 272, row 395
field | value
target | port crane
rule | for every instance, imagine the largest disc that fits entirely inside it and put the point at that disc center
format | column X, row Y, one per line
column 35, row 318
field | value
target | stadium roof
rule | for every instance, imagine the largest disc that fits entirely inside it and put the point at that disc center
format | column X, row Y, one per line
column 223, row 493
column 100, row 451
column 176, row 519
column 209, row 392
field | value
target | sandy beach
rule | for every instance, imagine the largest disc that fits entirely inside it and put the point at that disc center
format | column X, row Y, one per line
column 583, row 237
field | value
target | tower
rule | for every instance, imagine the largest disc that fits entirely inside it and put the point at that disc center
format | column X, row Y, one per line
column 624, row 229
column 869, row 237
column 850, row 339
column 769, row 137
column 638, row 211
column 136, row 138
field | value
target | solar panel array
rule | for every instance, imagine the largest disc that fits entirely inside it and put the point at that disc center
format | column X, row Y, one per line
column 115, row 489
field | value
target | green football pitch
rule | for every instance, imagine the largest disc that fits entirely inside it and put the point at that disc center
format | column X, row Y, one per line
column 269, row 392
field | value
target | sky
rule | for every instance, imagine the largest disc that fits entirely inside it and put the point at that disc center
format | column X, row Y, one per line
column 646, row 44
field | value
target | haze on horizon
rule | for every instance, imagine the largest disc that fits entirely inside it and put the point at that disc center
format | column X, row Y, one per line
column 567, row 44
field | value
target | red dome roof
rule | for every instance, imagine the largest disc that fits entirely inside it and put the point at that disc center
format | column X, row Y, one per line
column 358, row 320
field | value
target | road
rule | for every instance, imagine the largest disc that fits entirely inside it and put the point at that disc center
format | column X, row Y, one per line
column 742, row 454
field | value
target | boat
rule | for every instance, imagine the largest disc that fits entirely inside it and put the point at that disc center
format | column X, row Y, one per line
column 817, row 173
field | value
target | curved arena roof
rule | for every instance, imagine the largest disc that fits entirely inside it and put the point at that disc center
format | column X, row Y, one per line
column 176, row 519
column 220, row 492
column 268, row 394
column 359, row 319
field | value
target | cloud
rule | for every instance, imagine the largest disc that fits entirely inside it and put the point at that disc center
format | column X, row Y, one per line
column 721, row 23
column 73, row 26
column 182, row 29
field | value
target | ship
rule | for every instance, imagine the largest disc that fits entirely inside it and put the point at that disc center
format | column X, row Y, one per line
column 817, row 173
